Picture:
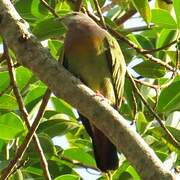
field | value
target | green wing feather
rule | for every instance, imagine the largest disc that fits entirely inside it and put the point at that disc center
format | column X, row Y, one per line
column 117, row 66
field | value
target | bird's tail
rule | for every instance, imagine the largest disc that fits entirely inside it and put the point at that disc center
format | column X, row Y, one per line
column 104, row 151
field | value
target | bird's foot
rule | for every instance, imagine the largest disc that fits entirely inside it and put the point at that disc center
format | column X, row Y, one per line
column 101, row 96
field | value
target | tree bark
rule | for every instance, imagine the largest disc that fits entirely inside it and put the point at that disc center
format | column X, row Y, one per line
column 31, row 54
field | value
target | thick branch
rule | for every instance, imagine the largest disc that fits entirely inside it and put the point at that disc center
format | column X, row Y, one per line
column 35, row 57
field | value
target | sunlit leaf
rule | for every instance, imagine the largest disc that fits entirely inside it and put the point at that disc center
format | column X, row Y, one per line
column 143, row 7
column 159, row 133
column 163, row 18
column 62, row 107
column 58, row 125
column 169, row 99
column 11, row 126
column 176, row 4
column 8, row 102
column 4, row 80
column 46, row 144
column 141, row 122
column 23, row 75
column 79, row 155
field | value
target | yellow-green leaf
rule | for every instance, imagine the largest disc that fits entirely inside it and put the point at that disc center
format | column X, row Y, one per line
column 143, row 8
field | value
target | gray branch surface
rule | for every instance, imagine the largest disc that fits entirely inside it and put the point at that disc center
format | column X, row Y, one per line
column 34, row 56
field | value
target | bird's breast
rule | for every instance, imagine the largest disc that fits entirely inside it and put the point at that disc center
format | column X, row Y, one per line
column 87, row 60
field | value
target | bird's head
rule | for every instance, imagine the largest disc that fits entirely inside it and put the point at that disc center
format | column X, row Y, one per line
column 75, row 18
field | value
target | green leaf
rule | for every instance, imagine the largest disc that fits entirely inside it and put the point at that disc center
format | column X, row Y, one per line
column 162, row 155
column 159, row 133
column 143, row 8
column 34, row 170
column 133, row 38
column 35, row 8
column 67, row 177
column 176, row 4
column 165, row 37
column 23, row 75
column 54, row 47
column 79, row 155
column 150, row 69
column 4, row 80
column 48, row 28
column 144, row 42
column 56, row 168
column 2, row 143
column 169, row 99
column 125, row 176
column 62, row 107
column 11, row 126
column 18, row 175
column 141, row 122
column 34, row 96
column 58, row 125
column 24, row 9
column 127, row 109
column 117, row 174
column 133, row 173
column 172, row 55
column 101, row 2
column 8, row 102
column 163, row 18
column 46, row 144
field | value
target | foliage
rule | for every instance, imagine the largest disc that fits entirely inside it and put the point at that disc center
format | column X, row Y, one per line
column 159, row 86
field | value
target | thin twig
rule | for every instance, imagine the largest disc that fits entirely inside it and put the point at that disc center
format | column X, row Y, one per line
column 177, row 57
column 172, row 138
column 135, row 107
column 125, row 17
column 21, row 164
column 49, row 8
column 160, row 48
column 10, row 168
column 147, row 84
column 156, row 99
column 100, row 14
column 23, row 147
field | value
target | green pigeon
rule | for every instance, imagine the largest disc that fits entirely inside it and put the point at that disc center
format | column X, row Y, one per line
column 94, row 56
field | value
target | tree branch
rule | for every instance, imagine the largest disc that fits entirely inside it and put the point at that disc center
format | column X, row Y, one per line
column 49, row 8
column 34, row 56
column 125, row 17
